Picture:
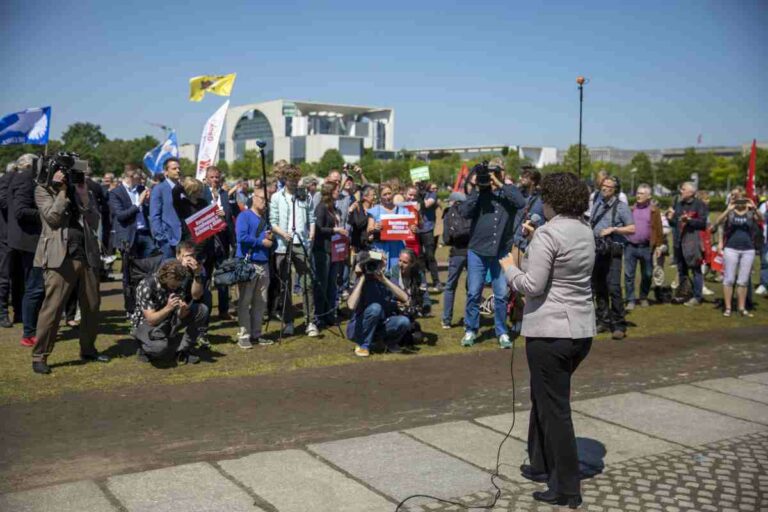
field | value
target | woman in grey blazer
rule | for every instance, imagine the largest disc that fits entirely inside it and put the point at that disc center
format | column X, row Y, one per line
column 558, row 324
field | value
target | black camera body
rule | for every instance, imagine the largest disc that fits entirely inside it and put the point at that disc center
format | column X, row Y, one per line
column 301, row 194
column 483, row 173
column 45, row 167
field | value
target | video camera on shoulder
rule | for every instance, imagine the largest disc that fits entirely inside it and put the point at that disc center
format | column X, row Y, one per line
column 46, row 166
column 370, row 261
column 483, row 172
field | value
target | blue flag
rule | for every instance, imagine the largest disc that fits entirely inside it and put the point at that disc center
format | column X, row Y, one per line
column 155, row 158
column 29, row 126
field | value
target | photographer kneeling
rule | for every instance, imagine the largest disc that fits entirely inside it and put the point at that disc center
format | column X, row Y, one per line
column 68, row 253
column 373, row 302
column 165, row 308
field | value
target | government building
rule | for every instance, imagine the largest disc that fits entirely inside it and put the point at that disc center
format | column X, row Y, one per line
column 302, row 131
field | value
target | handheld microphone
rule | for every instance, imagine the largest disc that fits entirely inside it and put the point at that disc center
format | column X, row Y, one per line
column 535, row 218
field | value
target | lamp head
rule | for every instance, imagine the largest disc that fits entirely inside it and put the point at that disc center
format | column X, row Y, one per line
column 580, row 80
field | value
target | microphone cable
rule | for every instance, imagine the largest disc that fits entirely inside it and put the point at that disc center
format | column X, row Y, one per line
column 495, row 474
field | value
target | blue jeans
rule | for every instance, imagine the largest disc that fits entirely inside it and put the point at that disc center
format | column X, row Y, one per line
column 373, row 321
column 634, row 254
column 477, row 268
column 682, row 274
column 764, row 266
column 456, row 264
column 34, row 293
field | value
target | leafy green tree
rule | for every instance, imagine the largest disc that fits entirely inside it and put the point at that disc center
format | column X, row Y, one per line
column 247, row 167
column 643, row 168
column 726, row 171
column 188, row 167
column 571, row 160
column 85, row 139
column 331, row 159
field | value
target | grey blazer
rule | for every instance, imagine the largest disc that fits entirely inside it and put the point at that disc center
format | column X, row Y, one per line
column 557, row 281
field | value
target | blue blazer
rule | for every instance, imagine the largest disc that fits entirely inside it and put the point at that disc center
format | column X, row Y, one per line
column 124, row 216
column 165, row 223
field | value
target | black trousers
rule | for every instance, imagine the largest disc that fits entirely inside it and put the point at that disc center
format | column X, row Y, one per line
column 606, row 284
column 551, row 439
column 427, row 256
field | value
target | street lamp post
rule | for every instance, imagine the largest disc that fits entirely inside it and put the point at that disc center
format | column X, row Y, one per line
column 580, row 80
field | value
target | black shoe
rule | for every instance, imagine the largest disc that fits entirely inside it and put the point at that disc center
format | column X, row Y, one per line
column 41, row 367
column 6, row 322
column 531, row 474
column 225, row 317
column 95, row 358
column 187, row 358
column 553, row 498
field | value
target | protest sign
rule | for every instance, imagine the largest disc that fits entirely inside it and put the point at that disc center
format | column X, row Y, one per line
column 205, row 223
column 396, row 227
column 420, row 174
column 339, row 248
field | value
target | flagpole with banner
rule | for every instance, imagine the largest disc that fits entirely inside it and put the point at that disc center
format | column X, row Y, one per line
column 156, row 157
column 209, row 141
column 31, row 126
column 750, row 188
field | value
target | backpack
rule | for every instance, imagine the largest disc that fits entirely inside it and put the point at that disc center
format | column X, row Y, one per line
column 456, row 229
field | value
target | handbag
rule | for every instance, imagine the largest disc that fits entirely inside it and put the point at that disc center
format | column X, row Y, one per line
column 237, row 270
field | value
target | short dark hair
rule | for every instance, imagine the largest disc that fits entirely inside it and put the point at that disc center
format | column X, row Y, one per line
column 185, row 245
column 172, row 159
column 532, row 174
column 565, row 193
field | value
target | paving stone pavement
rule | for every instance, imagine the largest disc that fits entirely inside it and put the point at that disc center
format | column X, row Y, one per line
column 726, row 476
column 697, row 447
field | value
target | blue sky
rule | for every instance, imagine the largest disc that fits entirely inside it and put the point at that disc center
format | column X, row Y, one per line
column 456, row 73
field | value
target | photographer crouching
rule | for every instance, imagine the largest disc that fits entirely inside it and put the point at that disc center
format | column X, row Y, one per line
column 68, row 253
column 373, row 303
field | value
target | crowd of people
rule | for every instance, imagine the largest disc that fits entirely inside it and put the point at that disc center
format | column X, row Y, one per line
column 56, row 239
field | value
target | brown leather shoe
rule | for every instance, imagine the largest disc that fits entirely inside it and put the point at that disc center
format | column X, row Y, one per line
column 618, row 335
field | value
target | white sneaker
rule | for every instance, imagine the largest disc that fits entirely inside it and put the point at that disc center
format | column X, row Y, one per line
column 761, row 290
column 244, row 342
column 288, row 330
column 707, row 291
column 469, row 339
column 312, row 330
column 504, row 341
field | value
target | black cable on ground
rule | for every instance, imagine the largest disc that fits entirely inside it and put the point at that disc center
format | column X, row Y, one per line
column 495, row 474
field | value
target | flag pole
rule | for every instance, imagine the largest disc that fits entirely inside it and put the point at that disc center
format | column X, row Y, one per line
column 580, row 80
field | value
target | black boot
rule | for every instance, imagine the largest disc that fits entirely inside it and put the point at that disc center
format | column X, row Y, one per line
column 41, row 367
column 5, row 321
column 554, row 498
column 527, row 471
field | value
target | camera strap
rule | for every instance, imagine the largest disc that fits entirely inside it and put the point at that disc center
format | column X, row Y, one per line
column 595, row 219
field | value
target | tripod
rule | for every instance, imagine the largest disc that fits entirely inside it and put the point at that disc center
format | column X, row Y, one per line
column 285, row 291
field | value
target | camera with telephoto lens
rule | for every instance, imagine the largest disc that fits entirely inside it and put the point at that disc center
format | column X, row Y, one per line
column 370, row 261
column 301, row 194
column 45, row 167
column 483, row 173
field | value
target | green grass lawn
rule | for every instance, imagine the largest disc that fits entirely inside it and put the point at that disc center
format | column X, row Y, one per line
column 18, row 383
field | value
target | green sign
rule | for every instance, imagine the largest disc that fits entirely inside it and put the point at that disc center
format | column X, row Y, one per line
column 289, row 109
column 420, row 174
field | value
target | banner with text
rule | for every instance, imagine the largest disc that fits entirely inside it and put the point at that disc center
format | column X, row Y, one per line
column 205, row 223
column 397, row 227
column 209, row 141
column 339, row 248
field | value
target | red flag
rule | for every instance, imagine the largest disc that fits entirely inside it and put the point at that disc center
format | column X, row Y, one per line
column 458, row 185
column 751, row 173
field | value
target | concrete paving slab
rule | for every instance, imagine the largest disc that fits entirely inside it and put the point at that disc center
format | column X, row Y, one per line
column 665, row 419
column 618, row 443
column 291, row 480
column 399, row 466
column 737, row 387
column 714, row 401
column 192, row 488
column 74, row 497
column 762, row 378
column 475, row 444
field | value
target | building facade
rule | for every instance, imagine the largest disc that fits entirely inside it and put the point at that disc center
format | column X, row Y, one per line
column 302, row 131
column 539, row 156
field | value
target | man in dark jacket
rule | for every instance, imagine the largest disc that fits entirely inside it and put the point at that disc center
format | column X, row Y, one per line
column 23, row 235
column 456, row 234
column 224, row 240
column 129, row 208
column 6, row 274
column 688, row 217
column 491, row 209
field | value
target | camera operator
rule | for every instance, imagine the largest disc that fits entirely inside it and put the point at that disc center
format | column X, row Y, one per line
column 611, row 219
column 68, row 253
column 373, row 303
column 491, row 209
column 427, row 197
column 291, row 218
column 456, row 233
column 419, row 303
column 167, row 304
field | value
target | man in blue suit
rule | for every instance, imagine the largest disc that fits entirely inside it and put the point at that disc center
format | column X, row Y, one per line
column 163, row 220
column 224, row 241
column 129, row 207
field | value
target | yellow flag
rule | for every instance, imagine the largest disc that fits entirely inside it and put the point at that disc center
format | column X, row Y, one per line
column 216, row 84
